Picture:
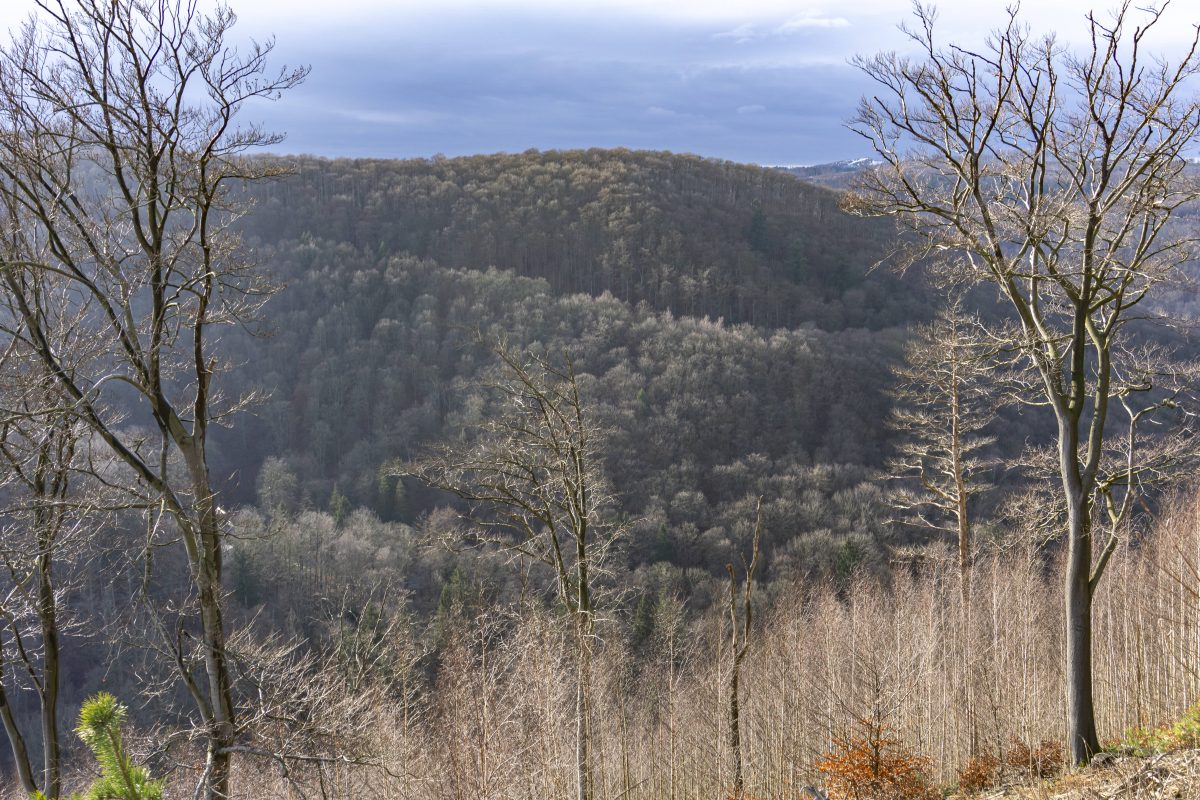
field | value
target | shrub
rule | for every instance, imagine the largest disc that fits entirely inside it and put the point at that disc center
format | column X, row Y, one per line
column 1043, row 762
column 981, row 772
column 1047, row 760
column 874, row 766
column 1186, row 731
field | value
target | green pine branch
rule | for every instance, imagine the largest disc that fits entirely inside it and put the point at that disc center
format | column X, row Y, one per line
column 100, row 722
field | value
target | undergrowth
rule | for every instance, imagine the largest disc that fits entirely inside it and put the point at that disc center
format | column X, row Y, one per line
column 874, row 766
column 1182, row 734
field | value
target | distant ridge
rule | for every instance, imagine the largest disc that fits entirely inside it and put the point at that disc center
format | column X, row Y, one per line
column 834, row 174
column 842, row 165
column 839, row 174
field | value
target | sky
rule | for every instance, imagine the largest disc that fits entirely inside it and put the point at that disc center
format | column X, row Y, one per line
column 761, row 81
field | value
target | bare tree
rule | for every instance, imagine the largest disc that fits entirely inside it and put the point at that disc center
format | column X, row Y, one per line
column 942, row 407
column 946, row 398
column 1052, row 176
column 533, row 480
column 119, row 157
column 739, row 642
column 39, row 447
column 55, row 494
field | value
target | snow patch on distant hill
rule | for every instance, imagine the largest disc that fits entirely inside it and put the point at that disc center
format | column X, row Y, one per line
column 844, row 165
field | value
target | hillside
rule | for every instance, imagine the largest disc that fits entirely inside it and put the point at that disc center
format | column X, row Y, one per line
column 368, row 355
column 597, row 474
column 622, row 261
column 693, row 236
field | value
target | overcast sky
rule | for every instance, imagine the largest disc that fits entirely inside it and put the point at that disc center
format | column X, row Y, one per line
column 762, row 81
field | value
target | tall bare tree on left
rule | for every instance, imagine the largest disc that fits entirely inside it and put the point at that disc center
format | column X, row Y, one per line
column 120, row 158
column 53, row 494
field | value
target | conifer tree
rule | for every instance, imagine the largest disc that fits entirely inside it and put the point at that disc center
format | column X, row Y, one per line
column 100, row 723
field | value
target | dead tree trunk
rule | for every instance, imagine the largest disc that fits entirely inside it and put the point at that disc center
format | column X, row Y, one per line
column 739, row 642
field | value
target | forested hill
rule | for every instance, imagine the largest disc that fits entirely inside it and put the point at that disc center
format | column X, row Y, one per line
column 625, row 261
column 695, row 236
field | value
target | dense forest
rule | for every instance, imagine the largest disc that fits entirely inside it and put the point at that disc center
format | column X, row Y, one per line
column 763, row 382
column 695, row 236
column 609, row 474
column 772, row 378
column 368, row 354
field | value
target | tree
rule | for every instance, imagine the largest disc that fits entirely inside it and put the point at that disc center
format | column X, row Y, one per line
column 739, row 642
column 942, row 407
column 100, row 723
column 1052, row 176
column 57, row 490
column 533, row 481
column 120, row 156
column 48, row 504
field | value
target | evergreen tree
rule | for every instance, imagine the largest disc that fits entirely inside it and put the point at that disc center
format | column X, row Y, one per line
column 100, row 722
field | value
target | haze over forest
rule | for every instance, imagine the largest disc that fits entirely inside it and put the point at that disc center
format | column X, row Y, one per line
column 609, row 456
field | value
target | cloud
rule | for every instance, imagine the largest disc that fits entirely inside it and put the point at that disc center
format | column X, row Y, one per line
column 748, row 32
column 811, row 20
column 511, row 81
column 404, row 119
column 741, row 34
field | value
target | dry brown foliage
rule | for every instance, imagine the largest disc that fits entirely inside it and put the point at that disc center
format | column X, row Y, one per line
column 981, row 772
column 1044, row 761
column 874, row 766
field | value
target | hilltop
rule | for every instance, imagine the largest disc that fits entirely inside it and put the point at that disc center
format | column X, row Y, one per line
column 690, row 235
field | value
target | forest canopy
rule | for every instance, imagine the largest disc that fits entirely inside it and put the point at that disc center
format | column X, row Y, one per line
column 768, row 374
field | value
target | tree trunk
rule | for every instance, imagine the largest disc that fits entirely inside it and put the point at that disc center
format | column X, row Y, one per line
column 584, row 629
column 48, row 617
column 960, row 484
column 583, row 777
column 1081, row 715
column 964, row 550
column 216, row 665
column 17, row 742
column 221, row 733
column 735, row 728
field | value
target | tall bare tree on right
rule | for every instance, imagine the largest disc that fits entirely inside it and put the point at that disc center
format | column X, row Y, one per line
column 1053, row 175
